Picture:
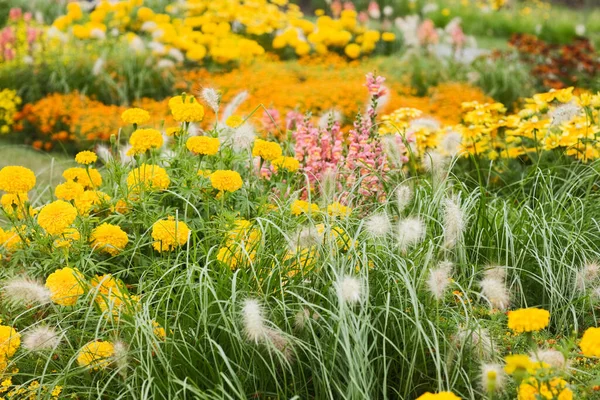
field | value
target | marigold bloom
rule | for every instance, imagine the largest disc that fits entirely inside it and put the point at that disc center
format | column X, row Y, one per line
column 68, row 191
column 388, row 36
column 226, row 180
column 266, row 150
column 520, row 362
column 590, row 342
column 108, row 238
column 65, row 285
column 88, row 178
column 169, row 234
column 439, row 396
column 234, row 121
column 203, row 145
column 337, row 209
column 352, row 50
column 96, row 355
column 303, row 207
column 14, row 203
column 288, row 163
column 528, row 319
column 86, row 157
column 188, row 110
column 143, row 140
column 135, row 116
column 67, row 237
column 56, row 217
column 16, row 179
column 557, row 388
column 10, row 239
column 88, row 200
column 148, row 177
column 10, row 340
column 109, row 293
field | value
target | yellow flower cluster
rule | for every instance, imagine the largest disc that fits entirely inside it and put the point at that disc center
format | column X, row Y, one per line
column 9, row 104
column 186, row 108
column 242, row 242
column 528, row 319
column 10, row 340
column 169, row 234
column 439, row 396
column 143, row 140
column 226, row 180
column 86, row 157
column 266, row 150
column 590, row 342
column 88, row 178
column 108, row 238
column 56, row 217
column 203, row 145
column 136, row 116
column 110, row 294
column 16, row 179
column 289, row 164
column 556, row 388
column 70, row 190
column 148, row 177
column 96, row 355
column 303, row 207
column 66, row 285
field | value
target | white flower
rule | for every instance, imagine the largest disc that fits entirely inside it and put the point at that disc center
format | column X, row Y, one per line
column 454, row 223
column 157, row 48
column 254, row 322
column 25, row 291
column 424, row 123
column 492, row 377
column 435, row 162
column 394, row 149
column 121, row 352
column 580, row 29
column 97, row 34
column 349, row 290
column 495, row 291
column 165, row 63
column 148, row 26
column 496, row 272
column 450, row 143
column 410, row 232
column 403, row 197
column 98, row 66
column 378, row 225
column 564, row 113
column 157, row 34
column 104, row 153
column 439, row 279
column 388, row 11
column 477, row 339
column 552, row 357
column 137, row 44
column 307, row 237
column 429, row 8
column 587, row 275
column 176, row 54
column 243, row 137
column 409, row 26
column 212, row 98
column 41, row 338
column 302, row 318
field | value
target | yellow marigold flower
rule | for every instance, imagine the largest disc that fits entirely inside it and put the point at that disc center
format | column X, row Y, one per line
column 532, row 389
column 148, row 177
column 135, row 116
column 86, row 157
column 14, row 203
column 143, row 140
column 186, row 109
column 303, row 207
column 388, row 36
column 203, row 145
column 159, row 331
column 56, row 217
column 109, row 293
column 590, row 342
column 68, row 191
column 10, row 239
column 226, row 180
column 266, row 150
column 88, row 178
column 108, row 238
column 121, row 207
column 96, row 355
column 352, row 51
column 169, row 234
column 16, row 179
column 517, row 362
column 67, row 237
column 10, row 340
column 338, row 210
column 65, row 285
column 234, row 256
column 234, row 121
column 288, row 163
column 173, row 131
column 439, row 396
column 528, row 319
column 89, row 200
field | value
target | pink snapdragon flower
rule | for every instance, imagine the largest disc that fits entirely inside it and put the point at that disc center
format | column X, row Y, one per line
column 427, row 34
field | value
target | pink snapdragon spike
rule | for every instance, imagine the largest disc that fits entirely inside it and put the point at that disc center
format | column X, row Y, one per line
column 348, row 5
column 15, row 13
column 336, row 8
column 375, row 85
column 458, row 36
column 292, row 118
column 27, row 17
column 363, row 17
column 373, row 10
column 427, row 34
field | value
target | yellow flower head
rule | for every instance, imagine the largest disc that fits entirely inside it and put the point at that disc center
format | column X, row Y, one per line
column 287, row 163
column 96, row 355
column 266, row 150
column 226, row 180
column 352, row 51
column 203, row 145
column 234, row 121
column 56, row 217
column 65, row 285
column 303, row 207
column 11, row 239
column 10, row 340
column 528, row 319
column 67, row 237
column 15, row 179
column 439, row 396
column 517, row 362
column 68, row 191
column 590, row 342
column 89, row 200
column 14, row 203
column 108, row 238
column 169, row 234
column 109, row 294
column 86, row 157
column 173, row 131
column 557, row 388
column 388, row 36
column 338, row 210
column 148, row 177
column 143, row 140
column 135, row 116
column 186, row 109
column 88, row 178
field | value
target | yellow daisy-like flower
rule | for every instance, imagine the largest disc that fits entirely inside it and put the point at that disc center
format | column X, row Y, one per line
column 388, row 36
column 337, row 209
column 287, row 163
column 86, row 157
column 234, row 121
column 439, row 396
column 135, row 116
column 89, row 200
column 557, row 388
column 590, row 342
column 528, row 319
column 16, row 179
column 14, row 204
column 88, row 178
column 169, row 234
column 109, row 239
column 266, row 150
column 10, row 340
column 186, row 109
column 96, row 355
column 67, row 238
column 303, row 207
column 203, row 145
column 148, row 177
column 352, row 50
column 65, row 285
column 68, row 191
column 226, row 180
column 143, row 140
column 56, row 217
